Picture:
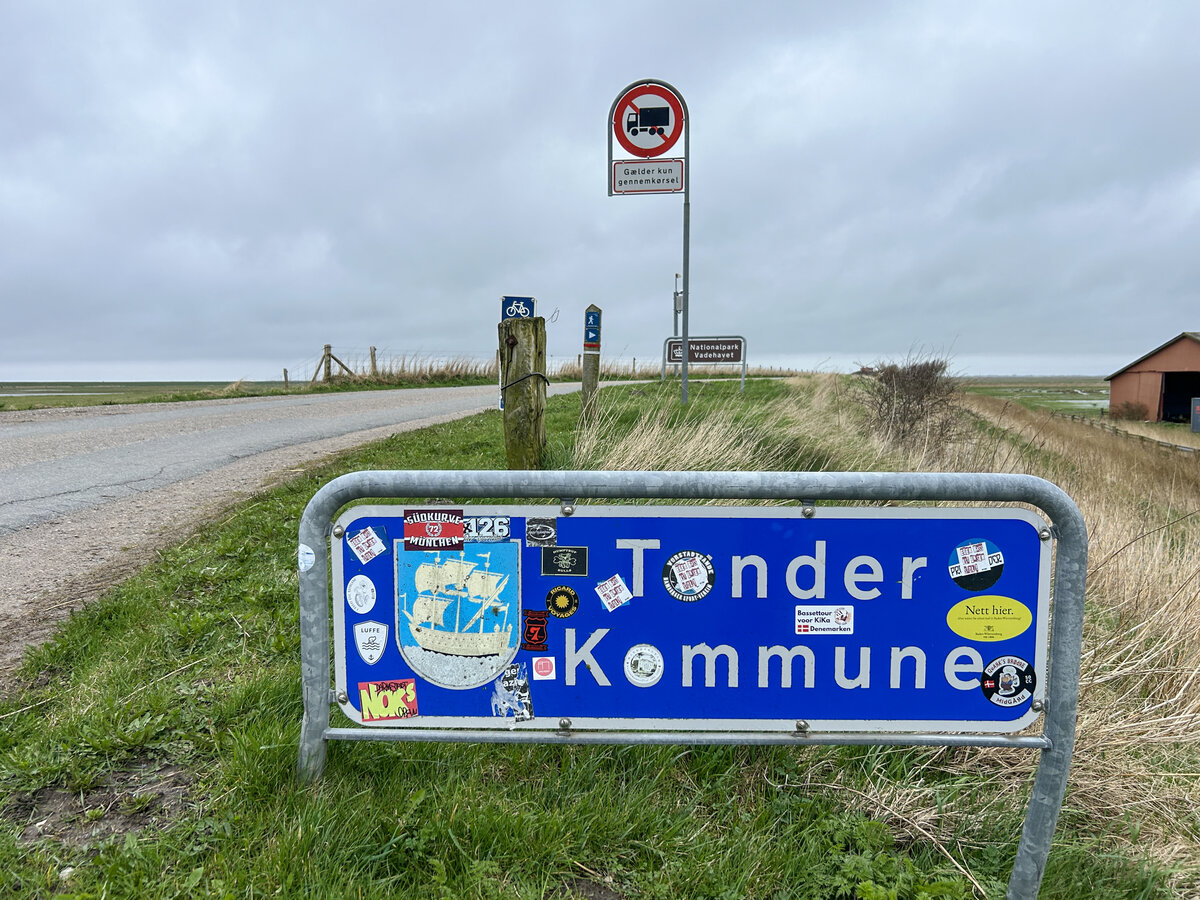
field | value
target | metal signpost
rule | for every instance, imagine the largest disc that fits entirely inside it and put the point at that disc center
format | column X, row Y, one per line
column 723, row 350
column 797, row 625
column 647, row 120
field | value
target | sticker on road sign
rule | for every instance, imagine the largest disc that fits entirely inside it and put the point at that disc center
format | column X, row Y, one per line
column 360, row 594
column 371, row 639
column 366, row 545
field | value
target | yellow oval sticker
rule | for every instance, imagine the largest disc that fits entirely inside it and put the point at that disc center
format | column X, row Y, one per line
column 989, row 618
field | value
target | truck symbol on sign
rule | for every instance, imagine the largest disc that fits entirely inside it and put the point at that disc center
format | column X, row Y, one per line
column 654, row 119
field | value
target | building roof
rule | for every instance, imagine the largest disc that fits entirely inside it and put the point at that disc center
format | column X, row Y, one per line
column 1193, row 335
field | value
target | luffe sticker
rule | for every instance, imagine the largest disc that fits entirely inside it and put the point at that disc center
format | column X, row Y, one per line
column 371, row 639
column 360, row 594
column 989, row 618
column 510, row 694
column 433, row 529
column 976, row 565
column 643, row 665
column 613, row 592
column 366, row 545
column 384, row 700
column 1008, row 681
column 562, row 601
column 688, row 576
column 824, row 620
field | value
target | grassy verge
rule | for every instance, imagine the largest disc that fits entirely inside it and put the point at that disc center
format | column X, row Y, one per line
column 149, row 750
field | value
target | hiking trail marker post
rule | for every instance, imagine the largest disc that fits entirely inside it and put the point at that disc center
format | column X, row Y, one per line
column 647, row 120
column 800, row 624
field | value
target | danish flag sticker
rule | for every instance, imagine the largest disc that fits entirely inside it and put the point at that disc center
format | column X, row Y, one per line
column 648, row 119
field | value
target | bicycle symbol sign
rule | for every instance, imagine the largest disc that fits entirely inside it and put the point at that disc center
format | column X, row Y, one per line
column 516, row 307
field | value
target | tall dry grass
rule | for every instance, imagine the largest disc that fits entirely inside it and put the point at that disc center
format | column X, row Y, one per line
column 1136, row 769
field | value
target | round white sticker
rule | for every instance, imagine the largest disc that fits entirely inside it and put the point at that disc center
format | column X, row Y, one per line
column 306, row 558
column 643, row 665
column 360, row 594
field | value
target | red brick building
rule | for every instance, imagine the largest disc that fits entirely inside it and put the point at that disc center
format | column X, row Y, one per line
column 1164, row 380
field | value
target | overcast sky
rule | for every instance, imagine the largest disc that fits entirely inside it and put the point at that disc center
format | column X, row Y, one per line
column 215, row 190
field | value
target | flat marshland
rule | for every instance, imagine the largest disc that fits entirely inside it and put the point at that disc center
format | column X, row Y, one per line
column 150, row 749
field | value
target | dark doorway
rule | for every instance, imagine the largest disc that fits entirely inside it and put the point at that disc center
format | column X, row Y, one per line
column 1178, row 390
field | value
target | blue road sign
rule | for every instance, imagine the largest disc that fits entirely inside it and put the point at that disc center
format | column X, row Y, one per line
column 591, row 335
column 591, row 318
column 516, row 307
column 857, row 619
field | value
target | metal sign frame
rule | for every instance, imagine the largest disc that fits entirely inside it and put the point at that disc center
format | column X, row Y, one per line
column 1066, row 528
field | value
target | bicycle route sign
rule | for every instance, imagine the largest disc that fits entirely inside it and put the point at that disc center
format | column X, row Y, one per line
column 704, row 618
column 516, row 307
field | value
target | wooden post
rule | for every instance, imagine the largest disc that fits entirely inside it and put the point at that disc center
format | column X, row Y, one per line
column 523, row 390
column 374, row 367
column 591, row 361
column 285, row 379
column 328, row 361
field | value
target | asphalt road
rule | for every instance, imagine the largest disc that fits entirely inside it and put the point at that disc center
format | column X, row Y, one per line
column 58, row 462
column 87, row 494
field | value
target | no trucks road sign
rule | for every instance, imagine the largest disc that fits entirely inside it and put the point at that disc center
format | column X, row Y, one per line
column 648, row 119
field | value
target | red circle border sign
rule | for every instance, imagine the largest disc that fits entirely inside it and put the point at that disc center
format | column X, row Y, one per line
column 652, row 89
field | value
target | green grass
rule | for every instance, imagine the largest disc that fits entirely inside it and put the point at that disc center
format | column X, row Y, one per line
column 155, row 739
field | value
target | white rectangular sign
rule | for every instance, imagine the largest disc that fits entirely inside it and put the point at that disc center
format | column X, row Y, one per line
column 647, row 176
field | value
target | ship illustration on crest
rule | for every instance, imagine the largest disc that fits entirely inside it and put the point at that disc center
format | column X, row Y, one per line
column 454, row 621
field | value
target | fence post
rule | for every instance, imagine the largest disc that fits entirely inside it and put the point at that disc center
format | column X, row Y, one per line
column 374, row 367
column 590, row 373
column 285, row 379
column 328, row 361
column 523, row 390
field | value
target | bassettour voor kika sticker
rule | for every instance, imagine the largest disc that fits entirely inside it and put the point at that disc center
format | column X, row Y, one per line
column 371, row 639
column 360, row 594
column 824, row 620
column 433, row 529
column 689, row 575
column 381, row 701
column 562, row 601
column 367, row 544
column 976, row 565
column 1008, row 681
column 613, row 592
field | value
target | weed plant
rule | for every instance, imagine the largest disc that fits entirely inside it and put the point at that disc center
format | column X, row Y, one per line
column 149, row 750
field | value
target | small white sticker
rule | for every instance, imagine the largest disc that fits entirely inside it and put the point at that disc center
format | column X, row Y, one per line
column 366, row 545
column 371, row 640
column 643, row 665
column 306, row 558
column 360, row 594
column 824, row 620
column 544, row 668
column 613, row 593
